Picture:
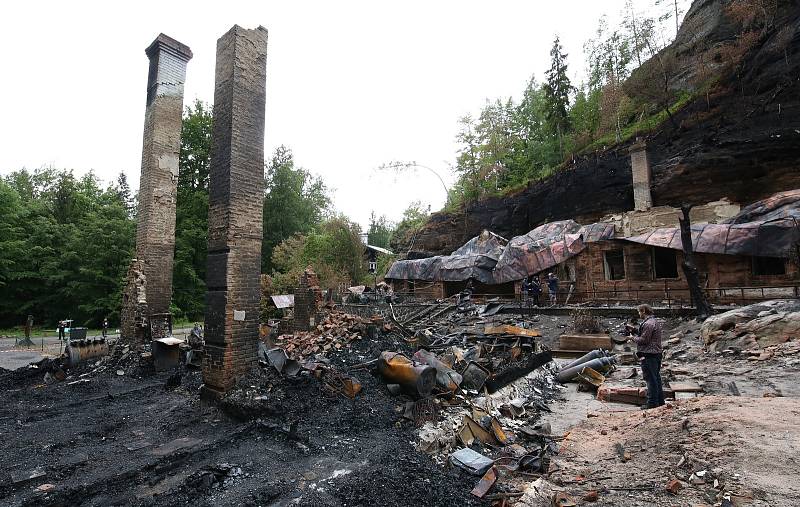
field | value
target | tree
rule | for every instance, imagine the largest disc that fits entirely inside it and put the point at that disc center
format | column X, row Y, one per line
column 557, row 90
column 380, row 231
column 295, row 201
column 123, row 191
column 195, row 154
column 191, row 214
column 413, row 218
column 65, row 244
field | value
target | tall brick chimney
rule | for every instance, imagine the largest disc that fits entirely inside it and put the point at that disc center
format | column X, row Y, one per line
column 158, row 184
column 640, row 170
column 235, row 221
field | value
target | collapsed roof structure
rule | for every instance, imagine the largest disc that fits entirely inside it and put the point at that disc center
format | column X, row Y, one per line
column 767, row 228
column 490, row 259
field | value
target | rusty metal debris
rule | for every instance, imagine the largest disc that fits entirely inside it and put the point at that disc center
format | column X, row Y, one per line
column 486, row 483
column 335, row 381
column 396, row 368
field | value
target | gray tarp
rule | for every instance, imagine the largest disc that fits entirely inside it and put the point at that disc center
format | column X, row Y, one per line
column 475, row 259
column 766, row 228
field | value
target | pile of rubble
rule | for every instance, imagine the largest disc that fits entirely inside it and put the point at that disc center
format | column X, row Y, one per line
column 704, row 451
column 336, row 331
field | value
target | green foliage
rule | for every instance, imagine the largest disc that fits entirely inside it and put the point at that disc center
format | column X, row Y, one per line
column 65, row 245
column 380, row 231
column 333, row 249
column 557, row 90
column 295, row 201
column 191, row 214
column 513, row 143
column 413, row 218
column 195, row 154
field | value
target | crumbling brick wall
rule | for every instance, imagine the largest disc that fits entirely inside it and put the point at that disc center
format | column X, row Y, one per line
column 307, row 298
column 235, row 209
column 133, row 317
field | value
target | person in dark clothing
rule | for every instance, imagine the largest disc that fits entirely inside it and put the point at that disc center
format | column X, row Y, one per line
column 105, row 327
column 61, row 326
column 525, row 288
column 650, row 352
column 552, row 288
column 535, row 289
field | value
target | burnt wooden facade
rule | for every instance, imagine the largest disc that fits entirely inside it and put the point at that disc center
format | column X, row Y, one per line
column 622, row 270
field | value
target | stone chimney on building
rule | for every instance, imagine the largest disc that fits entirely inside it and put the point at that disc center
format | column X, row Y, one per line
column 640, row 171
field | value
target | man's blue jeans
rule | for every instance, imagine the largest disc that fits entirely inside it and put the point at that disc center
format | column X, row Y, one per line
column 651, row 371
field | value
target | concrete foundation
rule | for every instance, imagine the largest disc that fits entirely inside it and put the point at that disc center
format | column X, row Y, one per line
column 235, row 222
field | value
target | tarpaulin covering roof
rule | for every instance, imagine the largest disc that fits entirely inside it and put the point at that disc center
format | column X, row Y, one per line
column 546, row 246
column 426, row 269
column 766, row 228
column 475, row 259
column 488, row 259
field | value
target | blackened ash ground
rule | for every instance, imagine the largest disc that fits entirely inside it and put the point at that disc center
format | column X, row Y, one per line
column 275, row 441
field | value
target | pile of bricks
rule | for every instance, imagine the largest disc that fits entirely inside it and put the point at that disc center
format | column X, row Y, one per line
column 335, row 331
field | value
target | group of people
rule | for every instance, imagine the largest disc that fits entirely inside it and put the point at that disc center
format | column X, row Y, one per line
column 532, row 288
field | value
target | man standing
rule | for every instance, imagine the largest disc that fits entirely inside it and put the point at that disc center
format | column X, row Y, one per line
column 61, row 326
column 525, row 288
column 535, row 289
column 105, row 327
column 649, row 351
column 552, row 288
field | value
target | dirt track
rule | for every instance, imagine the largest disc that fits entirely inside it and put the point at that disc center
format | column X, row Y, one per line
column 743, row 443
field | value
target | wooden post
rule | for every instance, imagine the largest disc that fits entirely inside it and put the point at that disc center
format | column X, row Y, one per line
column 690, row 270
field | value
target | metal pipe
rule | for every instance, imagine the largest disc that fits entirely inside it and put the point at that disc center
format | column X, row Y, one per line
column 82, row 350
column 587, row 357
column 598, row 364
column 398, row 369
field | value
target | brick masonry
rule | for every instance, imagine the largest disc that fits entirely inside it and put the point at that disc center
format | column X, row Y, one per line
column 640, row 169
column 134, row 304
column 307, row 298
column 155, row 228
column 235, row 222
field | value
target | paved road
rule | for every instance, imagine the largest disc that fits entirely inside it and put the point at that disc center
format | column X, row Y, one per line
column 12, row 356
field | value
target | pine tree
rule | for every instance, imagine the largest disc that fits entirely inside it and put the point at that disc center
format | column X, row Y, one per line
column 557, row 90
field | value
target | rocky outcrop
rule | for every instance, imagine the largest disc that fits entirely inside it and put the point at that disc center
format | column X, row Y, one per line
column 740, row 142
column 753, row 327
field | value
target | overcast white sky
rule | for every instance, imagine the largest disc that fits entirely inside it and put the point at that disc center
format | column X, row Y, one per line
column 350, row 85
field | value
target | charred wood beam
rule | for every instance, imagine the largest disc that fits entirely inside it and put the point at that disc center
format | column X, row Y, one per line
column 701, row 304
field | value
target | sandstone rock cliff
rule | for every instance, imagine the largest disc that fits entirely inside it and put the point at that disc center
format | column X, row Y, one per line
column 740, row 142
